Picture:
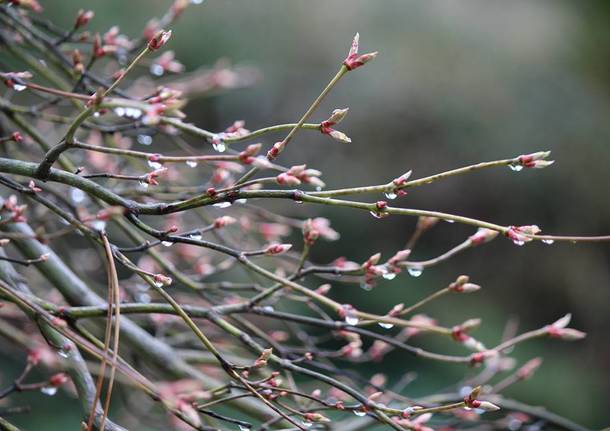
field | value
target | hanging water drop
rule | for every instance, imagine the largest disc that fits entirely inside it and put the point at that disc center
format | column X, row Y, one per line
column 515, row 167
column 366, row 286
column 158, row 284
column 307, row 424
column 359, row 413
column 156, row 69
column 390, row 195
column 77, row 195
column 19, row 87
column 144, row 139
column 191, row 163
column 518, row 242
column 155, row 165
column 385, row 325
column 241, row 201
column 119, row 111
column 98, row 225
column 390, row 275
column 415, row 271
column 143, row 184
column 548, row 241
column 219, row 146
column 222, row 204
column 241, row 426
column 351, row 319
column 449, row 221
column 49, row 390
column 65, row 351
column 375, row 214
column 269, row 308
column 195, row 236
column 199, row 2
column 167, row 243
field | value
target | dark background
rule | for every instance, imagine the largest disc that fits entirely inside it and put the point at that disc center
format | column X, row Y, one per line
column 455, row 83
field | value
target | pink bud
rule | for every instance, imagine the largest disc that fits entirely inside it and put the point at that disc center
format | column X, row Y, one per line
column 353, row 60
column 159, row 39
column 274, row 249
column 57, row 380
column 83, row 18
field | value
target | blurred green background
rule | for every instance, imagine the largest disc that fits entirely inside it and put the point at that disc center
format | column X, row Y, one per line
column 455, row 83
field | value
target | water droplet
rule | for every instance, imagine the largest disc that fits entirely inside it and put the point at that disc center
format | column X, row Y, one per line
column 515, row 167
column 268, row 308
column 241, row 201
column 158, row 284
column 119, row 111
column 351, row 319
column 143, row 184
column 390, row 195
column 155, row 165
column 49, row 390
column 307, row 424
column 385, row 325
column 548, row 241
column 241, row 427
column 415, row 271
column 167, row 243
column 144, row 139
column 223, row 204
column 518, row 242
column 219, row 146
column 199, row 2
column 97, row 114
column 375, row 214
column 133, row 113
column 449, row 221
column 390, row 275
column 156, row 69
column 19, row 87
column 359, row 413
column 77, row 195
column 98, row 225
column 65, row 351
column 366, row 286
column 191, row 163
column 195, row 236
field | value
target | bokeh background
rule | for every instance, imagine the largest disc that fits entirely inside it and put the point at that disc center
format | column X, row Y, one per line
column 455, row 83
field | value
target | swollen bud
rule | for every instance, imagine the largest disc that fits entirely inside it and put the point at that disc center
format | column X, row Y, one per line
column 159, row 39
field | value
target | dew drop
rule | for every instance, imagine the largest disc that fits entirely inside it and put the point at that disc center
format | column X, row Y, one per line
column 199, row 2
column 390, row 195
column 366, row 286
column 518, row 242
column 144, row 139
column 144, row 184
column 191, row 163
column 119, row 111
column 98, row 225
column 223, row 205
column 195, row 236
column 65, row 351
column 241, row 201
column 449, row 221
column 77, row 195
column 375, row 214
column 158, row 284
column 97, row 114
column 133, row 113
column 385, row 325
column 219, row 146
column 548, row 241
column 167, row 243
column 155, row 165
column 156, row 69
column 359, row 413
column 241, row 427
column 515, row 167
column 19, row 87
column 415, row 271
column 390, row 275
column 307, row 424
column 351, row 319
column 268, row 308
column 49, row 390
